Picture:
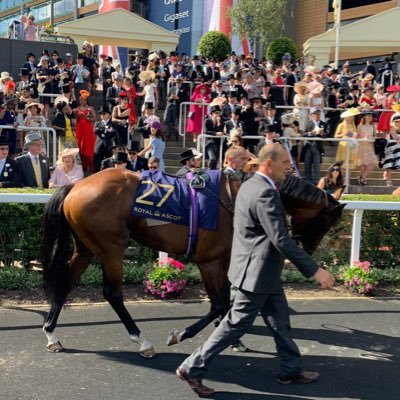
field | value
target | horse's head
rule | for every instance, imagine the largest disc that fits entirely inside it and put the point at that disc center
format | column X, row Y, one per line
column 313, row 212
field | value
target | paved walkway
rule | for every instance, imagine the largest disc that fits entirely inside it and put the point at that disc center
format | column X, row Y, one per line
column 354, row 343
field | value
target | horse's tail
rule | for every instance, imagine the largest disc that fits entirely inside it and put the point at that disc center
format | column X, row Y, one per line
column 54, row 247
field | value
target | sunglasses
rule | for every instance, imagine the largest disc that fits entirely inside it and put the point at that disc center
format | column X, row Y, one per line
column 336, row 169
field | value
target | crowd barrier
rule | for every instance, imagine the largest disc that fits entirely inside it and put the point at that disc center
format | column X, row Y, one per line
column 357, row 206
column 350, row 142
column 48, row 130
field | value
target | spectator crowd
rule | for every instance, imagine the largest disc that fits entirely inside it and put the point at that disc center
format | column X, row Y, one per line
column 242, row 100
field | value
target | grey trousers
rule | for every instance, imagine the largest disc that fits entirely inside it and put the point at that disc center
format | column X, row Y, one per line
column 275, row 313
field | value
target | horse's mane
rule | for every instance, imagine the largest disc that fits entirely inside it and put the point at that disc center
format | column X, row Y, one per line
column 300, row 189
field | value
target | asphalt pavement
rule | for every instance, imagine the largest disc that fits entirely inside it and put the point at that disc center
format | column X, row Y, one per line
column 353, row 343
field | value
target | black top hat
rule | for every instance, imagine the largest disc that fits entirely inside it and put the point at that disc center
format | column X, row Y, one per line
column 80, row 56
column 4, row 141
column 30, row 54
column 215, row 109
column 271, row 105
column 237, row 111
column 59, row 60
column 173, row 54
column 105, row 108
column 109, row 58
column 24, row 71
column 232, row 93
column 316, row 111
column 116, row 142
column 355, row 87
column 263, row 101
column 54, row 52
column 120, row 157
column 134, row 147
column 149, row 105
column 231, row 76
column 266, row 128
column 45, row 52
column 187, row 155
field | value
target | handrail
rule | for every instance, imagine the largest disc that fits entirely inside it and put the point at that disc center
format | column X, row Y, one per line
column 48, row 129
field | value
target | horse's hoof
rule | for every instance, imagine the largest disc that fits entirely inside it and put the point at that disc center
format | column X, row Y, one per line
column 55, row 347
column 148, row 353
column 173, row 338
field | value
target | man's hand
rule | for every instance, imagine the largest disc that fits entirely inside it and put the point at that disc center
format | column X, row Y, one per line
column 325, row 278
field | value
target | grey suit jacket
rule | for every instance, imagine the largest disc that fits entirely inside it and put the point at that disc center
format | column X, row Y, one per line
column 27, row 173
column 261, row 240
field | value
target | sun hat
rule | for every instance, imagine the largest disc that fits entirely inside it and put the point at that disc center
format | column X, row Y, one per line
column 147, row 75
column 351, row 112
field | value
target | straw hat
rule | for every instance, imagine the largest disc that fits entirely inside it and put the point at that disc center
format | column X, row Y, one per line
column 368, row 77
column 38, row 105
column 147, row 75
column 300, row 85
column 351, row 112
column 396, row 107
column 218, row 101
column 153, row 56
column 68, row 152
column 315, row 87
column 4, row 75
column 60, row 99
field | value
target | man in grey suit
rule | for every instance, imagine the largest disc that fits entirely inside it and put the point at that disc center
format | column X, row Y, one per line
column 34, row 167
column 261, row 243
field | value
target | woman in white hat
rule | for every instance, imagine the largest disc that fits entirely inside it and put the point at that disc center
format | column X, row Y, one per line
column 34, row 119
column 317, row 100
column 67, row 170
column 366, row 158
column 301, row 100
column 347, row 129
column 150, row 91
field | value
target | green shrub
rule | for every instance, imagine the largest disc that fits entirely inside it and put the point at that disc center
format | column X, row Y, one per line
column 12, row 278
column 279, row 47
column 214, row 44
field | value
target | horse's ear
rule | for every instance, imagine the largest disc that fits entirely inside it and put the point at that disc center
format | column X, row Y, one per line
column 337, row 210
column 337, row 194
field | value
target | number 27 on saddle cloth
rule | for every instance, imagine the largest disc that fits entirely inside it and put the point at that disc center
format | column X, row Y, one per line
column 166, row 198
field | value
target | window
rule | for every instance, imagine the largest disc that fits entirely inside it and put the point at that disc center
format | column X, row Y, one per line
column 355, row 3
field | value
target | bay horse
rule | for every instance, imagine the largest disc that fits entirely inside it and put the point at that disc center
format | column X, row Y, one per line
column 97, row 211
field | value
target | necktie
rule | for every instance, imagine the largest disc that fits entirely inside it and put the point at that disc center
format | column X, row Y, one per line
column 38, row 173
column 1, row 166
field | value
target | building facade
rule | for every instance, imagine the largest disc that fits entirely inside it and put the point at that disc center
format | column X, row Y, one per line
column 192, row 18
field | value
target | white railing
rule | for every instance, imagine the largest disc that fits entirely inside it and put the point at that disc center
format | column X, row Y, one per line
column 357, row 206
column 48, row 130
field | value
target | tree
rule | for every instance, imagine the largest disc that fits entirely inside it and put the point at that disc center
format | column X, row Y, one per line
column 258, row 20
column 280, row 47
column 215, row 44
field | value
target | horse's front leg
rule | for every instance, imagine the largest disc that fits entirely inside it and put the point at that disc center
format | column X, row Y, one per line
column 217, row 287
column 112, row 291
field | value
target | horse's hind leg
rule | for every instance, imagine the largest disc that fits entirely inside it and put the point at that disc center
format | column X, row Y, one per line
column 217, row 287
column 112, row 291
column 78, row 264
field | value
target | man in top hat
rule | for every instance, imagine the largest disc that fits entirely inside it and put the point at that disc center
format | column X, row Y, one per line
column 212, row 71
column 34, row 167
column 114, row 91
column 234, row 122
column 105, row 131
column 108, row 69
column 177, row 94
column 269, row 133
column 137, row 163
column 188, row 161
column 230, row 107
column 163, row 75
column 217, row 90
column 312, row 151
column 234, row 87
column 143, row 127
column 31, row 66
column 9, row 168
column 80, row 76
column 61, row 78
column 273, row 118
column 25, row 84
column 120, row 160
column 116, row 147
column 213, row 126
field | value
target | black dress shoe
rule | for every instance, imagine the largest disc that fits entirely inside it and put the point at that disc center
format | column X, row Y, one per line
column 195, row 384
column 302, row 377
